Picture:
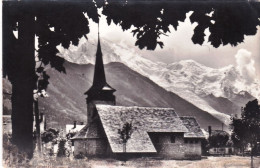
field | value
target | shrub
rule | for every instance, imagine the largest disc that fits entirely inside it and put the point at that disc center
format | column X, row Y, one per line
column 79, row 156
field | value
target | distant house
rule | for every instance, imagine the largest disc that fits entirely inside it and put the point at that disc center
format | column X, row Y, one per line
column 74, row 128
column 156, row 131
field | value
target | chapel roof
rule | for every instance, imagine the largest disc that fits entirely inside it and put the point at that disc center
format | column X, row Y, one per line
column 194, row 130
column 144, row 120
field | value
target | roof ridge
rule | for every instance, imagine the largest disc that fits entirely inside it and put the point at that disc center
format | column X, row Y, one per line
column 188, row 117
column 136, row 106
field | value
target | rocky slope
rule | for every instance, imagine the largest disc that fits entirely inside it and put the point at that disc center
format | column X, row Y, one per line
column 206, row 88
column 66, row 101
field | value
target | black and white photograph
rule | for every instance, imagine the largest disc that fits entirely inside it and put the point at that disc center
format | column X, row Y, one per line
column 130, row 84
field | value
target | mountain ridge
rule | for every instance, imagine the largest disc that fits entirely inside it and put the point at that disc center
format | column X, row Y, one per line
column 190, row 80
column 66, row 101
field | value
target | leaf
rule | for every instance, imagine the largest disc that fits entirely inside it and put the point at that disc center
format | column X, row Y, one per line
column 39, row 69
column 43, row 82
column 160, row 44
column 57, row 63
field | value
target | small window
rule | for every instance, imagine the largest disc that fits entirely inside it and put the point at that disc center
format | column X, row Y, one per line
column 196, row 141
column 191, row 141
column 172, row 139
column 185, row 141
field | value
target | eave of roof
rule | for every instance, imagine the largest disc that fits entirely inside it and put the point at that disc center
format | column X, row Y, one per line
column 193, row 126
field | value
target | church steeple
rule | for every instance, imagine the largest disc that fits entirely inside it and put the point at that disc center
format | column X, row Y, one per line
column 99, row 74
column 99, row 89
column 100, row 92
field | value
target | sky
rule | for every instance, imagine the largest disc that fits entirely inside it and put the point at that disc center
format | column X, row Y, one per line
column 179, row 46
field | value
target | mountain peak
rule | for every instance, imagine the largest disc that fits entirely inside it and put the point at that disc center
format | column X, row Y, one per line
column 189, row 61
column 187, row 78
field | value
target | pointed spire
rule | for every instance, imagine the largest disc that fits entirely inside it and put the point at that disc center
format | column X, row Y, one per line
column 99, row 81
column 99, row 74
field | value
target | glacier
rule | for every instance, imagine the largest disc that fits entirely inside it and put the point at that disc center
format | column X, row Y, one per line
column 187, row 78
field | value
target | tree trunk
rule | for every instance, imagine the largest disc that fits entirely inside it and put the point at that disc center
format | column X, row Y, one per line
column 37, row 122
column 252, row 154
column 22, row 117
column 252, row 165
column 124, row 147
column 243, row 150
column 23, row 82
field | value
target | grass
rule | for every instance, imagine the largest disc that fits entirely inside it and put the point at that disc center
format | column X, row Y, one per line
column 210, row 162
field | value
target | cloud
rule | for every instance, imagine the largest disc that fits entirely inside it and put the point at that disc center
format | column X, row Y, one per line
column 246, row 65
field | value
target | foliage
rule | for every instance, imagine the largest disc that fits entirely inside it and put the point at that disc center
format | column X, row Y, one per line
column 49, row 135
column 62, row 151
column 126, row 132
column 218, row 138
column 246, row 129
column 227, row 25
column 79, row 156
column 205, row 146
column 53, row 23
column 11, row 155
column 12, row 158
column 70, row 135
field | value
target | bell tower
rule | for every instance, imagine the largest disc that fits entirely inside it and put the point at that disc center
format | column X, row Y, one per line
column 100, row 92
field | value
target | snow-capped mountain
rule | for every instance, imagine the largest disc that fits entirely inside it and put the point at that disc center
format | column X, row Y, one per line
column 189, row 79
column 66, row 102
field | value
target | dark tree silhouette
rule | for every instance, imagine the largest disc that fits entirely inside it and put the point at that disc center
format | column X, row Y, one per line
column 218, row 139
column 125, row 134
column 49, row 135
column 228, row 24
column 247, row 128
column 62, row 151
column 150, row 20
column 32, row 19
column 238, row 135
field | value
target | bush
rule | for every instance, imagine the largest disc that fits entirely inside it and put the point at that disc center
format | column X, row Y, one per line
column 11, row 155
column 62, row 150
column 79, row 156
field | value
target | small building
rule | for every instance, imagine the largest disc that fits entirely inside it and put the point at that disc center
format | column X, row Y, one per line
column 157, row 132
column 74, row 128
column 71, row 131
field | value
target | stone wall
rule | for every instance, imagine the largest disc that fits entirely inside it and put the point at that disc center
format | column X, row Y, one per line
column 92, row 147
column 173, row 146
column 192, row 148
